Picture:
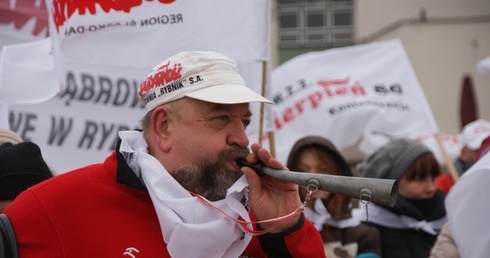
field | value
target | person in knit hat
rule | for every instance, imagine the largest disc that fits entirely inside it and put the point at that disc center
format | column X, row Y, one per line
column 410, row 227
column 330, row 212
column 21, row 166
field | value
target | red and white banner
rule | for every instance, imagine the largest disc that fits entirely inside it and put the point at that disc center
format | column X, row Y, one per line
column 108, row 48
column 20, row 22
column 349, row 95
column 142, row 33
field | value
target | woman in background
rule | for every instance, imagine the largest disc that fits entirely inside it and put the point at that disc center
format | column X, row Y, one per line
column 409, row 228
column 343, row 236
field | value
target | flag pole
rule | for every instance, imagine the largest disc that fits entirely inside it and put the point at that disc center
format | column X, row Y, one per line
column 262, row 107
column 450, row 165
column 262, row 111
column 272, row 143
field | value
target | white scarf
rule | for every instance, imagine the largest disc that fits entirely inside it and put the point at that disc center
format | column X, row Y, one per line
column 189, row 227
column 383, row 217
column 320, row 216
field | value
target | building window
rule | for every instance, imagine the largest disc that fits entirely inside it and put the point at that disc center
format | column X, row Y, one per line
column 315, row 23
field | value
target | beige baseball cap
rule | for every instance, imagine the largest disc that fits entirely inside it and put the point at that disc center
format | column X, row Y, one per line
column 202, row 75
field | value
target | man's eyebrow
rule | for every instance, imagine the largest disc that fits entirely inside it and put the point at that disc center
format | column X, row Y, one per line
column 224, row 107
column 218, row 107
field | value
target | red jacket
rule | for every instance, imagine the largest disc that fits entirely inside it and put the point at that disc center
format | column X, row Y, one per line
column 103, row 210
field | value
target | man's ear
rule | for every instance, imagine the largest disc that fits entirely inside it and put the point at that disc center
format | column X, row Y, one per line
column 160, row 124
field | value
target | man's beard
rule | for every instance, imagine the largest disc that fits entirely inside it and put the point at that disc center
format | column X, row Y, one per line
column 211, row 178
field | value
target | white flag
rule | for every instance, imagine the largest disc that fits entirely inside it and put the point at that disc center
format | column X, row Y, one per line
column 28, row 73
column 343, row 93
column 142, row 33
column 21, row 22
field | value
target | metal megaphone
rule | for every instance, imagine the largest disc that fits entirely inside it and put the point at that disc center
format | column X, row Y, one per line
column 380, row 191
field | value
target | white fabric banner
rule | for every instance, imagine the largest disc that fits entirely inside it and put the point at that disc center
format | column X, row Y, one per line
column 22, row 21
column 39, row 78
column 143, row 33
column 108, row 50
column 344, row 93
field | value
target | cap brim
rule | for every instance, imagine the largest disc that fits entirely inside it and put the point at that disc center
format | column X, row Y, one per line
column 475, row 143
column 228, row 94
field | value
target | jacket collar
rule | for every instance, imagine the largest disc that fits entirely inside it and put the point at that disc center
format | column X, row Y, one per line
column 125, row 174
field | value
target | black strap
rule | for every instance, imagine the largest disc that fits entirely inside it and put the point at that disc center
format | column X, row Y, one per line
column 8, row 245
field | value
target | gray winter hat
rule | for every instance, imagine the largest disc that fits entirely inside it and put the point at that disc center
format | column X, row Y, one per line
column 393, row 159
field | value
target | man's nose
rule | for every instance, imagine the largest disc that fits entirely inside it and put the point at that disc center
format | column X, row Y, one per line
column 237, row 135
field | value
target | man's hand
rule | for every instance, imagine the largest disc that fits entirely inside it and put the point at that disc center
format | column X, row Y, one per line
column 271, row 198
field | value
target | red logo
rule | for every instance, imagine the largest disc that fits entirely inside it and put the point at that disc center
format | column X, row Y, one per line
column 23, row 11
column 338, row 87
column 64, row 9
column 162, row 76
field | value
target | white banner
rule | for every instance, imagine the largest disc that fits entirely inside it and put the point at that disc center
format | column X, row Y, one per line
column 109, row 48
column 143, row 33
column 22, row 21
column 345, row 93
